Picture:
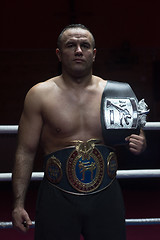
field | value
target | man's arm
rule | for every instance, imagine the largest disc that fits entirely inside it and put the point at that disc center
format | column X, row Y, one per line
column 28, row 139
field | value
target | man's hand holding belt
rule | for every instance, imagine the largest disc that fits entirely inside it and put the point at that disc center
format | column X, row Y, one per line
column 137, row 143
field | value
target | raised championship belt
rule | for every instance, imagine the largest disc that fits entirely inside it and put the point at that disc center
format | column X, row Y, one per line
column 86, row 168
column 121, row 113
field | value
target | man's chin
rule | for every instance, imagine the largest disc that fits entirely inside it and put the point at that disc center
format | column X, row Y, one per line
column 80, row 72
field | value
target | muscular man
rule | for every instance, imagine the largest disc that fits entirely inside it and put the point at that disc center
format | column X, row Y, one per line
column 63, row 115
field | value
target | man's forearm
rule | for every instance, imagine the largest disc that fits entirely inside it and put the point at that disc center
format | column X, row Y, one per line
column 20, row 178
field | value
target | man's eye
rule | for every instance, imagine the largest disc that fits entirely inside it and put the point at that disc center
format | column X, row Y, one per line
column 70, row 45
column 85, row 45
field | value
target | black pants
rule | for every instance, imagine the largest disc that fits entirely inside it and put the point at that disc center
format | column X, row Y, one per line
column 62, row 216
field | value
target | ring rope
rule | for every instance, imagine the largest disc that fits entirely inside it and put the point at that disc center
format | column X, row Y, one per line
column 4, row 225
column 142, row 221
column 13, row 129
column 129, row 222
column 121, row 174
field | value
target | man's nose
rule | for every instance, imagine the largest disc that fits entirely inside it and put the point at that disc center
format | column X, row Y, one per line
column 78, row 50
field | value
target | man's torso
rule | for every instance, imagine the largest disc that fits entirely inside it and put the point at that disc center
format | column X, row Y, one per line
column 70, row 114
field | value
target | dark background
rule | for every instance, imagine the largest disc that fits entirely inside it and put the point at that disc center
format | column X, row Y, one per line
column 128, row 49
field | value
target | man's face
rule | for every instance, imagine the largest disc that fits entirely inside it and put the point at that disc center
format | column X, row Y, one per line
column 77, row 53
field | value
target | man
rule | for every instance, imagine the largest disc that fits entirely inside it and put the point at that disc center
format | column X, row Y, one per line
column 63, row 115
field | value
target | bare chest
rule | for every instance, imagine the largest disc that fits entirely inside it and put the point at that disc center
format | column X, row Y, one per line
column 73, row 116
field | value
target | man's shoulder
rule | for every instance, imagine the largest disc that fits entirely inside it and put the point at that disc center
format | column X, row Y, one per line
column 99, row 80
column 41, row 90
column 44, row 87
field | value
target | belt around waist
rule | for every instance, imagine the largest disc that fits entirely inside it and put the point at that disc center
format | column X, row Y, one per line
column 84, row 169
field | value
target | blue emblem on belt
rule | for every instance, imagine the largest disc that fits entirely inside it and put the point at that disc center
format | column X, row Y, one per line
column 85, row 167
column 86, row 170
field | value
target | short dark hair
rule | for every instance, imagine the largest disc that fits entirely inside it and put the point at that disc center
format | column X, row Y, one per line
column 77, row 25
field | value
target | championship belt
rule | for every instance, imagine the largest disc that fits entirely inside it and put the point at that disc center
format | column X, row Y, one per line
column 86, row 168
column 121, row 113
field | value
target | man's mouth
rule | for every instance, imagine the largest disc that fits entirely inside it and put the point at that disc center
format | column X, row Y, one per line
column 78, row 60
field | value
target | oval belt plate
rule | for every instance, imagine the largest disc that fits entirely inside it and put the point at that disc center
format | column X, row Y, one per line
column 112, row 165
column 54, row 170
column 85, row 174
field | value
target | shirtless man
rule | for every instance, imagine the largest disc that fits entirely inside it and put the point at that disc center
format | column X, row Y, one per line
column 56, row 113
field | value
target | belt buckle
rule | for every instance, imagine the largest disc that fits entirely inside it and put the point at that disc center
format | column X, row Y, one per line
column 85, row 167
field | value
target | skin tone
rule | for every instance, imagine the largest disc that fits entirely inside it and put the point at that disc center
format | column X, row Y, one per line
column 59, row 111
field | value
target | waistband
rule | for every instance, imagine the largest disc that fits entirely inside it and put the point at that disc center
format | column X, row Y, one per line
column 85, row 168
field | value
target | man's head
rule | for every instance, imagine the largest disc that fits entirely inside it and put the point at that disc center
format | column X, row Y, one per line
column 76, row 50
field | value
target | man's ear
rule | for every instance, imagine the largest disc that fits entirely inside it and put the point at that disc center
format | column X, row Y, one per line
column 58, row 53
column 94, row 54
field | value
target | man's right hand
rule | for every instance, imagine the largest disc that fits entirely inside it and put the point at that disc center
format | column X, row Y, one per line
column 21, row 220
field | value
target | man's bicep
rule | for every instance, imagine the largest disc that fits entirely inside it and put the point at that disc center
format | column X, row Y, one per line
column 30, row 125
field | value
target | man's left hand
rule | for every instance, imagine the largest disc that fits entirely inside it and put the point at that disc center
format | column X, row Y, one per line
column 137, row 143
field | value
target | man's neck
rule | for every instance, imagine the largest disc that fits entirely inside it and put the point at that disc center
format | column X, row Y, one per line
column 77, row 82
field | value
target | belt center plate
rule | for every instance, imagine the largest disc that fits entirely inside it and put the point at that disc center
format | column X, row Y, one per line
column 85, row 170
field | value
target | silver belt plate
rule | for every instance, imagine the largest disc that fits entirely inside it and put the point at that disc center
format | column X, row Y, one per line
column 124, row 113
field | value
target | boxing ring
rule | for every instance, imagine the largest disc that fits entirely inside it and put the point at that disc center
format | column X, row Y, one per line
column 121, row 174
